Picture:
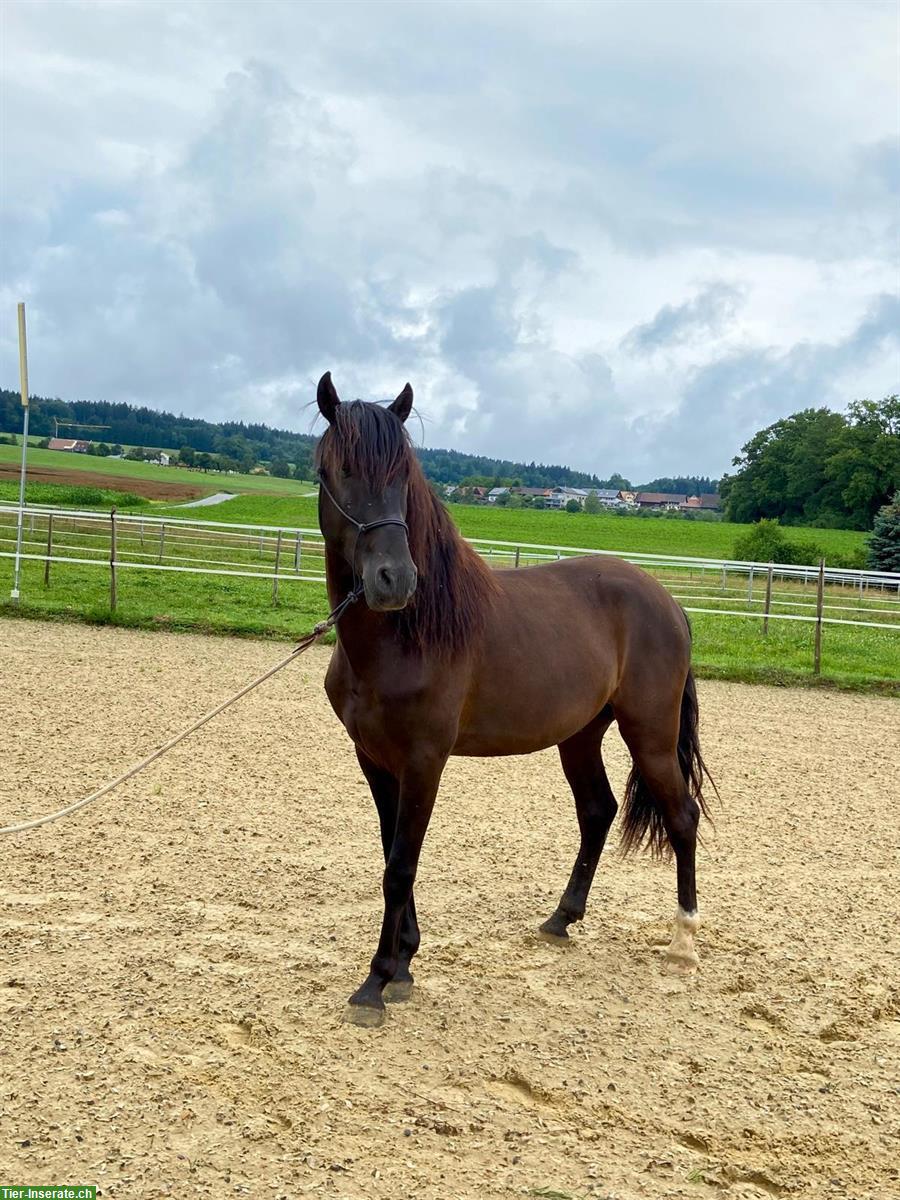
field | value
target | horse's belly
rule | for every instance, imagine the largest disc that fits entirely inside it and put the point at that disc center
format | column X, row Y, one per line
column 508, row 729
column 527, row 697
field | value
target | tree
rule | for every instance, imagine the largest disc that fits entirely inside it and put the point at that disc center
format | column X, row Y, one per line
column 689, row 485
column 766, row 542
column 884, row 544
column 865, row 465
column 573, row 506
column 592, row 504
column 819, row 467
column 187, row 456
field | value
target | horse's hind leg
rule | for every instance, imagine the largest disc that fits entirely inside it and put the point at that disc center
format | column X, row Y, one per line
column 596, row 808
column 385, row 789
column 660, row 803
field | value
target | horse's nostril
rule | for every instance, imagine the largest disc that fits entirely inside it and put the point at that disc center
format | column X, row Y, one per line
column 385, row 578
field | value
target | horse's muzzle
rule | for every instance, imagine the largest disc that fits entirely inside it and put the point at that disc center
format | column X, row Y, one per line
column 388, row 587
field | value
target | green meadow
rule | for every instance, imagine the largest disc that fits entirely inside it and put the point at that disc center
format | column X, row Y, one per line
column 119, row 468
column 724, row 647
column 654, row 535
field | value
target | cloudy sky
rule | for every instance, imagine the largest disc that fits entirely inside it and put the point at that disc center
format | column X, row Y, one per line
column 622, row 236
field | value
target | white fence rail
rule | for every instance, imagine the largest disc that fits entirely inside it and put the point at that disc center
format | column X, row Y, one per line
column 819, row 594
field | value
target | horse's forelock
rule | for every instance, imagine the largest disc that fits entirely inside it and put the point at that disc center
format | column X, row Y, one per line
column 455, row 584
column 367, row 441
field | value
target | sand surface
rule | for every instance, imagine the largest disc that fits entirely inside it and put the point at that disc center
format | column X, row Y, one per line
column 174, row 960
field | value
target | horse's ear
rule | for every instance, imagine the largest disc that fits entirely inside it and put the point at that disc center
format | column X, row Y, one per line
column 327, row 398
column 403, row 404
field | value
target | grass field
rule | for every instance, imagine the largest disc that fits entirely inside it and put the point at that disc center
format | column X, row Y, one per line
column 271, row 501
column 63, row 495
column 699, row 539
column 207, row 481
column 725, row 647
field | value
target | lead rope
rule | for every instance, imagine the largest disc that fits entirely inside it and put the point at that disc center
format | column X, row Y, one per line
column 311, row 638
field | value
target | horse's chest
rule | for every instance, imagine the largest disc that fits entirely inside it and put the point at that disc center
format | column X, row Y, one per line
column 360, row 709
column 406, row 709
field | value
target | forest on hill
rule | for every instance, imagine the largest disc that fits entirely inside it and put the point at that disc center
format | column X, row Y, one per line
column 815, row 467
column 240, row 446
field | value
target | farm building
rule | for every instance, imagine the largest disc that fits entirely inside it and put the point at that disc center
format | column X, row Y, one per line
column 710, row 501
column 707, row 502
column 660, row 499
column 72, row 445
column 495, row 493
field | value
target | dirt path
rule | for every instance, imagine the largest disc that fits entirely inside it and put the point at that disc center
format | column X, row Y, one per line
column 174, row 961
column 152, row 489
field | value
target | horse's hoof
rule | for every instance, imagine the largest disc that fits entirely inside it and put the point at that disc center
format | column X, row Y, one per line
column 554, row 931
column 681, row 964
column 364, row 1015
column 397, row 990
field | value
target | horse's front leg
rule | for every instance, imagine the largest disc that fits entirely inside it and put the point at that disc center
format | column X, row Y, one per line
column 386, row 794
column 418, row 788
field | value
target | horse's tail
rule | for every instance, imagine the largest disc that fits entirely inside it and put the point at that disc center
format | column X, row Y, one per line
column 642, row 818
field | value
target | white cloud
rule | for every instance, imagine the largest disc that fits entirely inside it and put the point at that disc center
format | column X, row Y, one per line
column 619, row 236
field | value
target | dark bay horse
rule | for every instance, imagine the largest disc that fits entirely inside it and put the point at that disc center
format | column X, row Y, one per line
column 447, row 656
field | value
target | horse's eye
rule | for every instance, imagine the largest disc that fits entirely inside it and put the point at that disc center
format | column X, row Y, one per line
column 345, row 471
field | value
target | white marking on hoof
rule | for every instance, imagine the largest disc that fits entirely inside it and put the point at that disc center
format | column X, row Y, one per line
column 681, row 957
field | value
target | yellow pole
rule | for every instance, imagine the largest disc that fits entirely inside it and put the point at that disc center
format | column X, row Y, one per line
column 23, row 389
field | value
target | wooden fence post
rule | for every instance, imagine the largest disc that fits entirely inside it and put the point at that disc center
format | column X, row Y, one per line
column 820, row 596
column 277, row 560
column 517, row 555
column 298, row 550
column 768, row 600
column 112, row 560
column 723, row 579
column 162, row 541
column 750, row 587
column 49, row 550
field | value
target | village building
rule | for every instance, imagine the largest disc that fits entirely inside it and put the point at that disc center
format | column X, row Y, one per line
column 661, row 500
column 72, row 445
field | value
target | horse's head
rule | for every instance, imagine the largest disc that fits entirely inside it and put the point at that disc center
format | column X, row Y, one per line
column 363, row 463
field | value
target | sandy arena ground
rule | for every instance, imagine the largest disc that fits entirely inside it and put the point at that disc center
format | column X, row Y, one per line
column 175, row 959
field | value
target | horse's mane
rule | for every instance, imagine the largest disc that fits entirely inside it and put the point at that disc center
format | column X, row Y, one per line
column 455, row 585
